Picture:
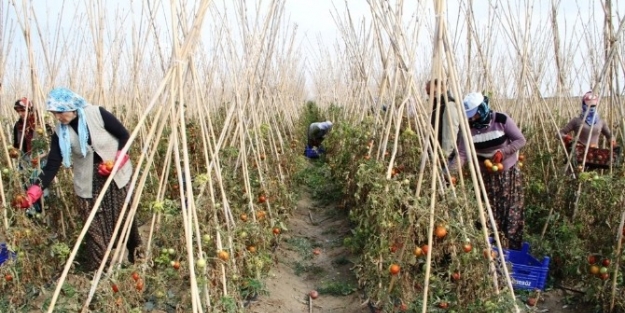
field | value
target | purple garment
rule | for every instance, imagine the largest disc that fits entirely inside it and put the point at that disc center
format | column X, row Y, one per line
column 505, row 137
column 577, row 123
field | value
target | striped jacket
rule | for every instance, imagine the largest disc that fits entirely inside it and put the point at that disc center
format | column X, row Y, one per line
column 502, row 134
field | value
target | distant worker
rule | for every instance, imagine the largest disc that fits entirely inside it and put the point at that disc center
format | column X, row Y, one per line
column 316, row 135
column 448, row 118
column 588, row 118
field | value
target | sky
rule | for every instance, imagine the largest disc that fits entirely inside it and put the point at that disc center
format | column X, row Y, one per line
column 314, row 20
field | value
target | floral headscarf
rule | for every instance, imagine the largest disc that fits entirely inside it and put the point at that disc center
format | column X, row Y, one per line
column 23, row 103
column 65, row 100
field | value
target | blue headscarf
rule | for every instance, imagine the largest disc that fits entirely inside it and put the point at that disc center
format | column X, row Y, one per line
column 65, row 100
column 592, row 117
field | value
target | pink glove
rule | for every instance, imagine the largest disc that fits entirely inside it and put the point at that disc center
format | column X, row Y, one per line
column 497, row 157
column 124, row 158
column 33, row 194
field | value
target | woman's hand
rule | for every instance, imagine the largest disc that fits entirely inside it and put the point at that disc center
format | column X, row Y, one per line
column 33, row 194
column 567, row 139
column 497, row 157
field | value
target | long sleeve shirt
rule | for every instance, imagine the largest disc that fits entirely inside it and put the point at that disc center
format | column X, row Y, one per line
column 599, row 128
column 502, row 134
column 111, row 124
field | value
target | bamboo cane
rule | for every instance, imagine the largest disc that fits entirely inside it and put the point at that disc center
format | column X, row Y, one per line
column 619, row 246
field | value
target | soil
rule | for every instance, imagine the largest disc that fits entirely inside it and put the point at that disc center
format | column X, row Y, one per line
column 561, row 300
column 298, row 270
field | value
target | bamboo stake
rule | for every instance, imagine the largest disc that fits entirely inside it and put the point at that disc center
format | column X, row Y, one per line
column 619, row 245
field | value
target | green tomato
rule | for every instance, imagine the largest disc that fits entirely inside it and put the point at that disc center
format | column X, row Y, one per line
column 207, row 238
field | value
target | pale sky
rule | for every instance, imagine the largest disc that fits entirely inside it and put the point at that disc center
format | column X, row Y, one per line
column 312, row 17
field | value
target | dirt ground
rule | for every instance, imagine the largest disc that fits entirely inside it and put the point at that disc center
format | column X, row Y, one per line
column 561, row 300
column 298, row 270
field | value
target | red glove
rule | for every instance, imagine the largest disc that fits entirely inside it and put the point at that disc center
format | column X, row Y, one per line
column 567, row 139
column 497, row 157
column 33, row 194
column 105, row 168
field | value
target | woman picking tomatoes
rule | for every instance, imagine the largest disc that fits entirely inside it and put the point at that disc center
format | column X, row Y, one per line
column 28, row 142
column 86, row 135
column 316, row 134
column 588, row 124
column 496, row 139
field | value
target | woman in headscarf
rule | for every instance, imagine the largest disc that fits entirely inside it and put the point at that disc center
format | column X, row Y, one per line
column 583, row 123
column 27, row 135
column 448, row 118
column 316, row 134
column 86, row 135
column 496, row 138
column 25, row 129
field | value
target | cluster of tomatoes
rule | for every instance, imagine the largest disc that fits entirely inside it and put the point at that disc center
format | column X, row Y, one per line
column 106, row 166
column 139, row 284
column 599, row 269
column 493, row 167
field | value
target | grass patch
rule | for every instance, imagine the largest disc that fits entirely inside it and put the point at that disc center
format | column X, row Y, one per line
column 330, row 231
column 302, row 246
column 316, row 177
column 337, row 288
column 300, row 268
column 341, row 261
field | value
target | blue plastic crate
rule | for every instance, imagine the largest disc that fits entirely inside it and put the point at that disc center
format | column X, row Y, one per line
column 5, row 253
column 311, row 153
column 527, row 272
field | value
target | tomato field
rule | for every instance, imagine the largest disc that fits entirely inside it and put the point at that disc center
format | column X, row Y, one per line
column 235, row 218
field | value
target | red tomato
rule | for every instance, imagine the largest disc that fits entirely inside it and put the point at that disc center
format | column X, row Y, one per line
column 394, row 269
column 313, row 294
column 455, row 276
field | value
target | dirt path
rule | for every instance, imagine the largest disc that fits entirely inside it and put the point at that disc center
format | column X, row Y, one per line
column 298, row 269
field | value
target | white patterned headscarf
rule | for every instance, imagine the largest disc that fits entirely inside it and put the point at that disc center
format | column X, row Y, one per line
column 65, row 100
